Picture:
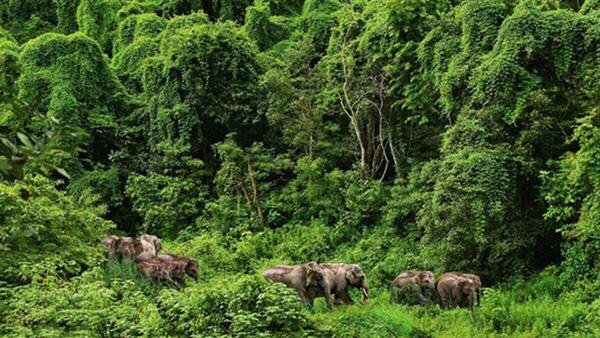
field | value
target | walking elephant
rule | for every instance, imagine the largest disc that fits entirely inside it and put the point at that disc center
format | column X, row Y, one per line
column 310, row 280
column 341, row 277
column 414, row 282
column 456, row 290
column 169, row 268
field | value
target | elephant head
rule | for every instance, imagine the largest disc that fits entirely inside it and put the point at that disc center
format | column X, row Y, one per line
column 357, row 278
column 314, row 274
column 192, row 268
column 469, row 291
column 425, row 279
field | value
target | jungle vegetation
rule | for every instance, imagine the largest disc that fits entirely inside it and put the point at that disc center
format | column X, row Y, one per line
column 397, row 134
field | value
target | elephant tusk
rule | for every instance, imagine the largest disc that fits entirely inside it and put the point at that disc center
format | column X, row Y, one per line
column 365, row 293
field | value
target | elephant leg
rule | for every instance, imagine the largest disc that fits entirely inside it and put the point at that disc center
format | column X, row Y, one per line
column 443, row 301
column 417, row 293
column 328, row 296
column 457, row 298
column 345, row 297
column 172, row 281
column 303, row 297
column 337, row 300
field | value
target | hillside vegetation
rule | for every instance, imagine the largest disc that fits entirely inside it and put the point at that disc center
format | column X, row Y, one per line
column 396, row 134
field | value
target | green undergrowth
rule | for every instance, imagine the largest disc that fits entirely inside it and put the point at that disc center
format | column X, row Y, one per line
column 114, row 300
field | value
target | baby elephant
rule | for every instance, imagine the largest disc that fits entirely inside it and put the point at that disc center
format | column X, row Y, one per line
column 455, row 289
column 170, row 268
column 126, row 248
column 413, row 282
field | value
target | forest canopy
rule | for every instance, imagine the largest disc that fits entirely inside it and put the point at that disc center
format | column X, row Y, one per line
column 396, row 134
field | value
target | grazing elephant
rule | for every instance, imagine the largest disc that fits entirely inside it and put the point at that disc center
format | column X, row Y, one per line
column 457, row 290
column 170, row 268
column 303, row 278
column 342, row 276
column 415, row 282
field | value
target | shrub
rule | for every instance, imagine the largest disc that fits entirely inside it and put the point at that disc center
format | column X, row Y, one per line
column 44, row 232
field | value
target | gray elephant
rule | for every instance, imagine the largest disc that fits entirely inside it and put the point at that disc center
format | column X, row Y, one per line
column 169, row 268
column 413, row 282
column 474, row 278
column 341, row 277
column 456, row 290
column 310, row 276
column 126, row 248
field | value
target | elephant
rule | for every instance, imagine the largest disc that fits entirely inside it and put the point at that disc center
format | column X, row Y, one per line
column 309, row 280
column 456, row 289
column 170, row 268
column 341, row 276
column 415, row 282
column 475, row 279
column 126, row 248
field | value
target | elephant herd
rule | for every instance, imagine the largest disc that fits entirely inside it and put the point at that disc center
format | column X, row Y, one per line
column 332, row 281
column 143, row 250
column 310, row 280
column 450, row 289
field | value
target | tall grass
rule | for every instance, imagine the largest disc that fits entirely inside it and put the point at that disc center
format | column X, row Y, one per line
column 127, row 270
column 532, row 311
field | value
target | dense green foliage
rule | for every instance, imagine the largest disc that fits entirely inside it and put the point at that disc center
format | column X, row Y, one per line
column 397, row 134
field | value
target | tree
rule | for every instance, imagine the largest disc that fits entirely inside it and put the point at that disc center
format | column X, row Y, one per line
column 204, row 82
column 67, row 79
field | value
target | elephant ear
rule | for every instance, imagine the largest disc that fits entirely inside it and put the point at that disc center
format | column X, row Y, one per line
column 348, row 274
column 463, row 283
column 314, row 269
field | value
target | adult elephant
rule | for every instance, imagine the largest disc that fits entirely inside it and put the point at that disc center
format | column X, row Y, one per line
column 342, row 276
column 414, row 282
column 126, row 248
column 457, row 290
column 310, row 276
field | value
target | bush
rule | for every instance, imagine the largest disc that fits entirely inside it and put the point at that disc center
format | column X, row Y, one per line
column 236, row 305
column 44, row 232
